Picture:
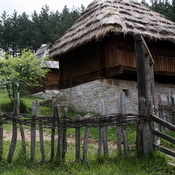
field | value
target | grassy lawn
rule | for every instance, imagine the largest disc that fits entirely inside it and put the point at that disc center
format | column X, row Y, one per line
column 156, row 164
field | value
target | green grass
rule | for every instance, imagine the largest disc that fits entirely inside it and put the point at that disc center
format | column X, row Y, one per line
column 115, row 165
column 156, row 164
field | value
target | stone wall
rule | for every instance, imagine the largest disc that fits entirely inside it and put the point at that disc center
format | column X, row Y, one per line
column 85, row 97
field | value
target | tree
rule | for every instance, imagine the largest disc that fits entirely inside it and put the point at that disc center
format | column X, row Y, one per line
column 25, row 32
column 17, row 73
column 18, row 32
column 164, row 7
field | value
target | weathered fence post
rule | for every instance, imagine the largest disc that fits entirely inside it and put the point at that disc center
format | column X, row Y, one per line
column 103, row 141
column 16, row 108
column 85, row 144
column 60, row 133
column 145, row 80
column 64, row 150
column 33, row 132
column 144, row 135
column 77, row 140
column 38, row 115
column 53, row 130
column 173, row 108
column 124, row 131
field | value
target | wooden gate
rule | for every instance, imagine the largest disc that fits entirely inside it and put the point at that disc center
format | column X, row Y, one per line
column 163, row 125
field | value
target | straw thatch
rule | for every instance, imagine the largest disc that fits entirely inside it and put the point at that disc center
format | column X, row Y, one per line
column 120, row 16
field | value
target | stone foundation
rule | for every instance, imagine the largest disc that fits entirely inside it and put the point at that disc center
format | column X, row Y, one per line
column 85, row 97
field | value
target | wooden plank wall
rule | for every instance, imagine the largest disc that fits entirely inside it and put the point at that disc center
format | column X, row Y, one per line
column 79, row 66
column 112, row 56
column 119, row 51
column 51, row 80
column 164, row 55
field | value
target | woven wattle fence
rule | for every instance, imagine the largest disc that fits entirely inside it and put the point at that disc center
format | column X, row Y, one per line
column 59, row 122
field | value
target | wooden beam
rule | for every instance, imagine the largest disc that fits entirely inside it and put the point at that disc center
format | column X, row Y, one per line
column 164, row 150
column 141, row 70
column 164, row 136
column 163, row 123
column 146, row 49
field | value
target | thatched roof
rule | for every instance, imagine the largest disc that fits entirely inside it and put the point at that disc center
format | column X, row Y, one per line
column 119, row 16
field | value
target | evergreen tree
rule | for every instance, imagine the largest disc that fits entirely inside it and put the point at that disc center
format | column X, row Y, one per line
column 18, row 32
column 164, row 7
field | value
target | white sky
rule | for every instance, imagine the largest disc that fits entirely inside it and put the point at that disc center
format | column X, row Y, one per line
column 29, row 6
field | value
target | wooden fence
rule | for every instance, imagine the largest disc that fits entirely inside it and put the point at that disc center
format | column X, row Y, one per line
column 58, row 123
column 164, row 123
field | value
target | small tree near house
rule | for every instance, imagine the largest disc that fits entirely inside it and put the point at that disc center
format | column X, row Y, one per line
column 17, row 73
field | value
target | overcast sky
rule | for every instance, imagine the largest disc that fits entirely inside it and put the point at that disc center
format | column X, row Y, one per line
column 29, row 6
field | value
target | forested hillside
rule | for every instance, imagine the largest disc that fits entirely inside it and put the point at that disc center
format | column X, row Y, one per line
column 21, row 31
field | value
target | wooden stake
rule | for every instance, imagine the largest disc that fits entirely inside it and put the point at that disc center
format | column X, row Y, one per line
column 103, row 141
column 64, row 133
column 77, row 141
column 33, row 132
column 53, row 130
column 85, row 145
column 42, row 149
column 60, row 134
column 14, row 129
column 124, row 130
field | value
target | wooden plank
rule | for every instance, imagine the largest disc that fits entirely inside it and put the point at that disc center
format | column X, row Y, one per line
column 60, row 134
column 103, row 141
column 14, row 130
column 42, row 149
column 164, row 136
column 64, row 150
column 141, row 70
column 100, row 143
column 77, row 141
column 163, row 123
column 124, row 130
column 173, row 104
column 24, row 151
column 147, row 140
column 13, row 142
column 85, row 144
column 160, row 112
column 52, row 151
column 119, row 138
column 146, row 49
column 164, row 150
column 144, row 137
column 33, row 133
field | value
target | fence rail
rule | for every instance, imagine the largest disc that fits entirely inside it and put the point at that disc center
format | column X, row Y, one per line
column 58, row 124
column 164, row 122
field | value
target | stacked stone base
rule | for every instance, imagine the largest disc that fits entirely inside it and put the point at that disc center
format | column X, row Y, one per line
column 85, row 97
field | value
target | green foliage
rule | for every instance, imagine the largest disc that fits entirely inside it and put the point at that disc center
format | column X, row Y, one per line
column 164, row 7
column 19, row 32
column 17, row 73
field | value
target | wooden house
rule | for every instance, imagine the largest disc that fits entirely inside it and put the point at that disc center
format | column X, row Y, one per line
column 50, row 82
column 100, row 44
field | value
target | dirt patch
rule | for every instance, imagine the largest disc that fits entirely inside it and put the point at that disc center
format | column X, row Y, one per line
column 7, row 135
